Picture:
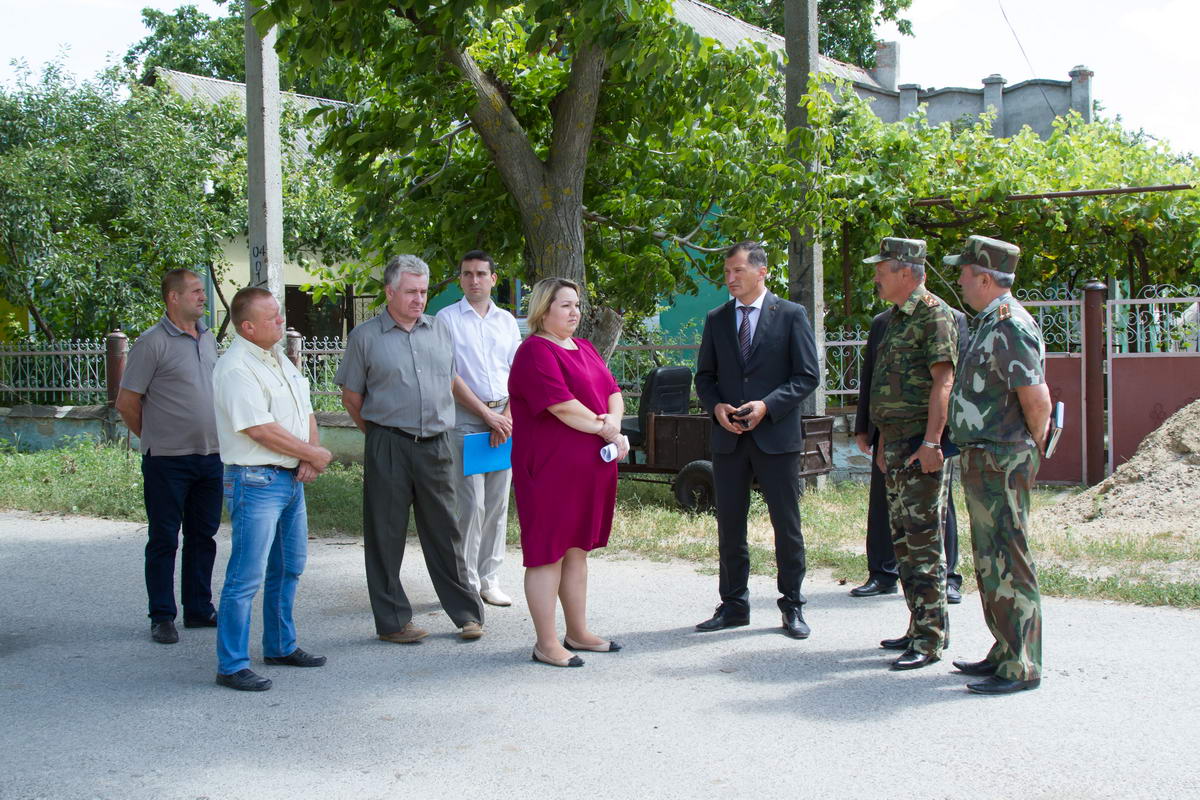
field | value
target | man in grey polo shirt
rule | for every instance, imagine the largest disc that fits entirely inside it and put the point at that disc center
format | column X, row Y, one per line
column 166, row 400
column 396, row 378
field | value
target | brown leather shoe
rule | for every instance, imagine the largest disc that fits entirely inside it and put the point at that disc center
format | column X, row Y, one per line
column 472, row 630
column 409, row 634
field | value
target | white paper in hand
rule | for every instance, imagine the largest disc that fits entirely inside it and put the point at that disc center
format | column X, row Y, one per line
column 609, row 451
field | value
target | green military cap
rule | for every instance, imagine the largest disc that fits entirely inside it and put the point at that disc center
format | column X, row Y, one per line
column 984, row 252
column 910, row 251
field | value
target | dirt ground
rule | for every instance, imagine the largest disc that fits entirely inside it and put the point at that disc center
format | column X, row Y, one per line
column 1156, row 492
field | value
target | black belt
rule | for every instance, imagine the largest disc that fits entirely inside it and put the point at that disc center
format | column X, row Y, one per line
column 275, row 467
column 411, row 437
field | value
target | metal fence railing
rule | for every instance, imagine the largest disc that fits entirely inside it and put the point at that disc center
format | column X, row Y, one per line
column 73, row 372
column 1163, row 319
column 66, row 372
column 319, row 361
column 843, row 363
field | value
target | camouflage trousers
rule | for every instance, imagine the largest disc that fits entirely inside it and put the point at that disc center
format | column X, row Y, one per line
column 996, row 485
column 915, row 499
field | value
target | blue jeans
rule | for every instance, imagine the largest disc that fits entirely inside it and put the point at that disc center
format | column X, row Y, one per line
column 270, row 540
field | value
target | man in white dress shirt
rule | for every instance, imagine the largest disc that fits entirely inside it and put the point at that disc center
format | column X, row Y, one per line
column 271, row 448
column 486, row 338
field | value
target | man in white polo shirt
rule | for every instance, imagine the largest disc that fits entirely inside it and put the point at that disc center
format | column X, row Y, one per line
column 486, row 338
column 271, row 448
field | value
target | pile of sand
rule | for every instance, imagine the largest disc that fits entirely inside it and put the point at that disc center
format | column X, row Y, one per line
column 1156, row 491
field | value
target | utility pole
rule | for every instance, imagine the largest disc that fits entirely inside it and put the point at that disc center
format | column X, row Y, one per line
column 806, row 274
column 265, row 179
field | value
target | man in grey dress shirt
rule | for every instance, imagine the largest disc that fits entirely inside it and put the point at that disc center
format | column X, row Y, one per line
column 396, row 379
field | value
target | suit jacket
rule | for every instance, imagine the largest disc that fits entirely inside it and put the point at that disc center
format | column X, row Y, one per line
column 862, row 416
column 781, row 372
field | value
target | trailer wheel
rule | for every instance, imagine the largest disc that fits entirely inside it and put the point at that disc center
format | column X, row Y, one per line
column 694, row 487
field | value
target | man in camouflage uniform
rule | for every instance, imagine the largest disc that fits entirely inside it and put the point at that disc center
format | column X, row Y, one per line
column 999, row 414
column 910, row 389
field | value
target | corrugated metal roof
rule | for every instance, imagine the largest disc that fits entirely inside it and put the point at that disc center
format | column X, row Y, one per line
column 215, row 90
column 730, row 32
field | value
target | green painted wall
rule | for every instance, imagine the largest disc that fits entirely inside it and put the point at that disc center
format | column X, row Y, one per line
column 685, row 313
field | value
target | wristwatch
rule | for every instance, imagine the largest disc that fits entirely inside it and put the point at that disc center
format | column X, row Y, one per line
column 934, row 445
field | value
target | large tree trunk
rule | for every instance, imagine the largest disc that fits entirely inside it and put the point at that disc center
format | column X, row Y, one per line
column 548, row 194
column 552, row 222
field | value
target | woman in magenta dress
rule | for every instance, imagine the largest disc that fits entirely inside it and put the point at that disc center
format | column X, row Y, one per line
column 565, row 407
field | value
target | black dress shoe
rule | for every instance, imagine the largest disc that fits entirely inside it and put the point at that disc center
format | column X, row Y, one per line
column 244, row 680
column 984, row 667
column 998, row 685
column 164, row 632
column 794, row 624
column 296, row 658
column 899, row 643
column 201, row 622
column 873, row 587
column 724, row 618
column 953, row 595
column 914, row 660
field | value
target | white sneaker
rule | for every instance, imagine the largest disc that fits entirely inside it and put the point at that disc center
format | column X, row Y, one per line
column 495, row 597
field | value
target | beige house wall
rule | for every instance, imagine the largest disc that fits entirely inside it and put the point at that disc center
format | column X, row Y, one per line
column 236, row 274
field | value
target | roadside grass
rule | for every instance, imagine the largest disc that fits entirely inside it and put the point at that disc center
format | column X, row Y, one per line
column 105, row 481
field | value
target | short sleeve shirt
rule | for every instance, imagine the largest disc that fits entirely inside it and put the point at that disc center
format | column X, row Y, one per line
column 253, row 386
column 922, row 332
column 404, row 376
column 1006, row 352
column 172, row 370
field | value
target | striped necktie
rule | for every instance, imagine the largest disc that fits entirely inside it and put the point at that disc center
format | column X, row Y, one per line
column 744, row 332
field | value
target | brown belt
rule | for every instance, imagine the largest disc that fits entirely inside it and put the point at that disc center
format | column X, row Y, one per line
column 496, row 403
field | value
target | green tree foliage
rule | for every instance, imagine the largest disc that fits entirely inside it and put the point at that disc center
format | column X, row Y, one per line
column 847, row 26
column 471, row 127
column 598, row 141
column 876, row 171
column 188, row 40
column 100, row 193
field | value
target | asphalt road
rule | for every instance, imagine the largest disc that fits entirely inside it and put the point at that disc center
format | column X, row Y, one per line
column 91, row 708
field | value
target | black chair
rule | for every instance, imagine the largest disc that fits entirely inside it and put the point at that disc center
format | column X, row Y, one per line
column 665, row 390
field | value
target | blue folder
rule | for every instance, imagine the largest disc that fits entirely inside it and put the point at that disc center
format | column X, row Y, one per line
column 480, row 456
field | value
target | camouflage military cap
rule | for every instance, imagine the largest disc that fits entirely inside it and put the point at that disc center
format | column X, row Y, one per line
column 909, row 251
column 984, row 252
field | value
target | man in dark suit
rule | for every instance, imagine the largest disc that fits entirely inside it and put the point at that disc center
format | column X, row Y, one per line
column 881, row 557
column 757, row 362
